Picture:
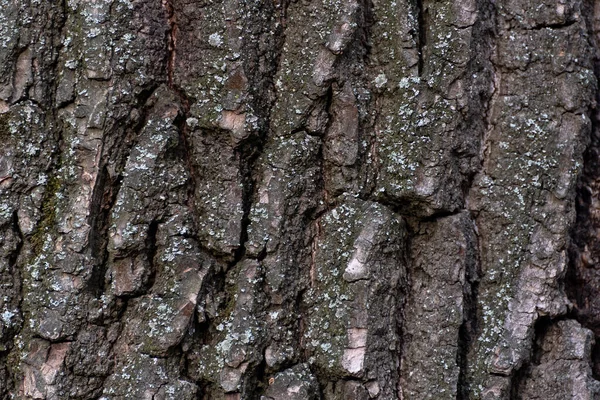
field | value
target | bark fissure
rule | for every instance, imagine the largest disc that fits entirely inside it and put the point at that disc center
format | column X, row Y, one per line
column 14, row 256
column 15, row 272
column 249, row 151
column 422, row 21
column 171, row 38
column 98, row 237
column 468, row 330
column 151, row 249
column 581, row 281
column 184, row 102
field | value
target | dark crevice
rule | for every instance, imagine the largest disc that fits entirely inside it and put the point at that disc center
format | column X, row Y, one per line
column 215, row 298
column 16, row 274
column 476, row 121
column 7, row 376
column 171, row 39
column 519, row 376
column 414, row 210
column 185, row 149
column 439, row 214
column 248, row 152
column 596, row 359
column 301, row 308
column 184, row 347
column 143, row 95
column 98, row 239
column 366, row 25
column 467, row 333
column 258, row 383
column 151, row 252
column 118, row 151
column 320, row 386
column 481, row 81
column 555, row 26
column 404, row 292
column 14, row 256
column 201, row 392
column 422, row 20
column 516, row 382
column 582, row 281
column 328, row 98
column 114, row 156
column 262, row 254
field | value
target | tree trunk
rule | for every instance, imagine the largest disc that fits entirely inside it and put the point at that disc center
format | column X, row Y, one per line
column 299, row 200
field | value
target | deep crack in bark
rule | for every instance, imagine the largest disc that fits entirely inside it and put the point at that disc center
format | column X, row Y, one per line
column 582, row 283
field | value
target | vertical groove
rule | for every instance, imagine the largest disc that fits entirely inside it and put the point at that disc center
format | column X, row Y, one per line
column 582, row 283
column 468, row 330
column 171, row 38
column 422, row 20
column 481, row 99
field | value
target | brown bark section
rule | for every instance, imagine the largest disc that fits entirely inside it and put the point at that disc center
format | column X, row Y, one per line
column 298, row 200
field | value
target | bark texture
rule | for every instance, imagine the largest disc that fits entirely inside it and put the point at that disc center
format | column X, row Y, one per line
column 306, row 200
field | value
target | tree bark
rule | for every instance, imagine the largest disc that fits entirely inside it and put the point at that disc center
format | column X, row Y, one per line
column 299, row 200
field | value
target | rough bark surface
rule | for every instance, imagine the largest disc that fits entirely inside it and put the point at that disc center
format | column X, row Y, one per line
column 310, row 199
